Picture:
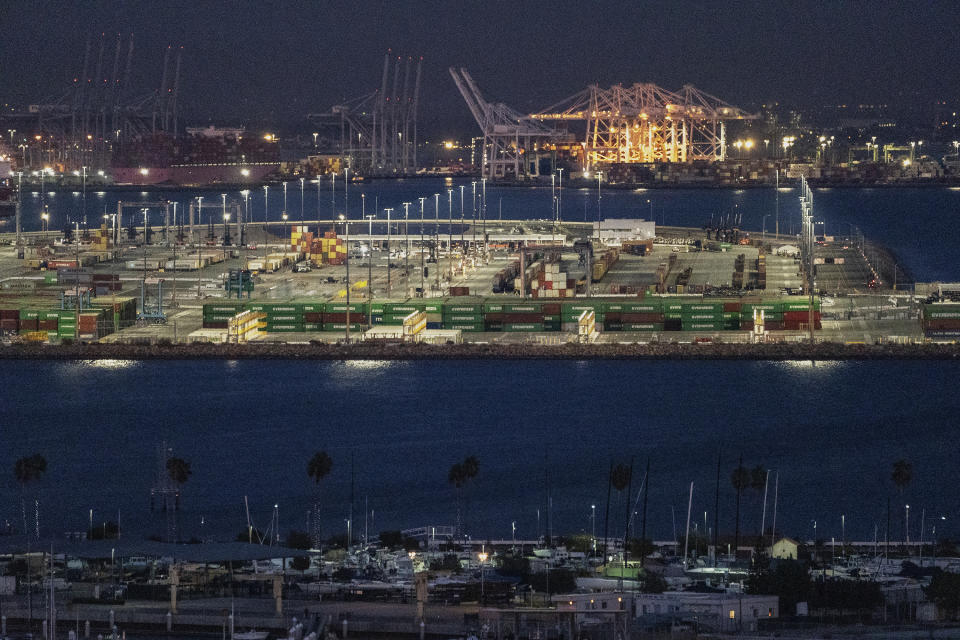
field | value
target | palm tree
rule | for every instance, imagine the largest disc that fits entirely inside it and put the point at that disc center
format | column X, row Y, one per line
column 758, row 482
column 178, row 470
column 458, row 475
column 27, row 470
column 621, row 477
column 902, row 474
column 471, row 467
column 318, row 468
column 740, row 479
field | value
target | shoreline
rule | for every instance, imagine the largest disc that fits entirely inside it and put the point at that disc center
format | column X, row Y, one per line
column 403, row 352
column 574, row 184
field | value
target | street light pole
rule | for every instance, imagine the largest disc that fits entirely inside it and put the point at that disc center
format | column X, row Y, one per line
column 266, row 214
column 422, row 291
column 370, row 259
column 461, row 217
column 223, row 198
column 302, row 183
column 406, row 246
column 389, row 210
column 560, row 197
column 593, row 528
column 450, row 232
column 483, row 212
column 333, row 197
column 436, row 235
column 346, row 233
column 473, row 207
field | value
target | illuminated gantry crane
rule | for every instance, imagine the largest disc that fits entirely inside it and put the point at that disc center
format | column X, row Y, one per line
column 507, row 134
column 646, row 123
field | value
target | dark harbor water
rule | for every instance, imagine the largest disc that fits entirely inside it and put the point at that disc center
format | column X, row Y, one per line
column 829, row 431
column 916, row 223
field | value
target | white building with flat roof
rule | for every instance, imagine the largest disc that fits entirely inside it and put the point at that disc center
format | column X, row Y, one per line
column 719, row 612
column 620, row 229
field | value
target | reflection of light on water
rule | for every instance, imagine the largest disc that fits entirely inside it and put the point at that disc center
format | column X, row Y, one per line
column 954, row 188
column 369, row 365
column 350, row 373
column 812, row 365
column 108, row 363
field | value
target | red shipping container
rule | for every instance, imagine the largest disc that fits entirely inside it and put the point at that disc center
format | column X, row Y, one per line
column 942, row 324
column 28, row 325
column 551, row 308
column 642, row 317
column 731, row 306
column 522, row 317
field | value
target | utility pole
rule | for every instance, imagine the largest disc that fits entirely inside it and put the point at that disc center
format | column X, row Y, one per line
column 406, row 246
column 436, row 236
column 450, row 232
column 370, row 255
column 389, row 210
column 422, row 291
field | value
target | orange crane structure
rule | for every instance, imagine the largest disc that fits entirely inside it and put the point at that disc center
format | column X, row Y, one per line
column 640, row 123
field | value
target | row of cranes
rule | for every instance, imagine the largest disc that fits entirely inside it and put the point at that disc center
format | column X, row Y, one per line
column 99, row 110
column 376, row 133
column 641, row 123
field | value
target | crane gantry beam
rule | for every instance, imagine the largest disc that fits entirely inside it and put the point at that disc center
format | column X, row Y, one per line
column 507, row 134
column 647, row 123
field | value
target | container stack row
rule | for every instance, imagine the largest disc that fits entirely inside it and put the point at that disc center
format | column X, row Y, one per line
column 471, row 315
column 941, row 321
column 103, row 316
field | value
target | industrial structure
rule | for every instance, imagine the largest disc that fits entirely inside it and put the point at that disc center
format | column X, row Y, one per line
column 99, row 111
column 642, row 123
column 510, row 139
column 378, row 131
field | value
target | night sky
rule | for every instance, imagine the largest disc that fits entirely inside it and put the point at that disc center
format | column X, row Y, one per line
column 259, row 63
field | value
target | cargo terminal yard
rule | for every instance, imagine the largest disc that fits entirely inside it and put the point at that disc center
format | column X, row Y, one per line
column 670, row 285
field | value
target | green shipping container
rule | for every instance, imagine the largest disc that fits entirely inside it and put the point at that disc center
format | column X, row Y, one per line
column 449, row 308
column 463, row 317
column 313, row 326
column 703, row 326
column 523, row 326
column 701, row 307
column 338, row 326
column 531, row 307
column 313, row 307
column 466, row 327
column 284, row 328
